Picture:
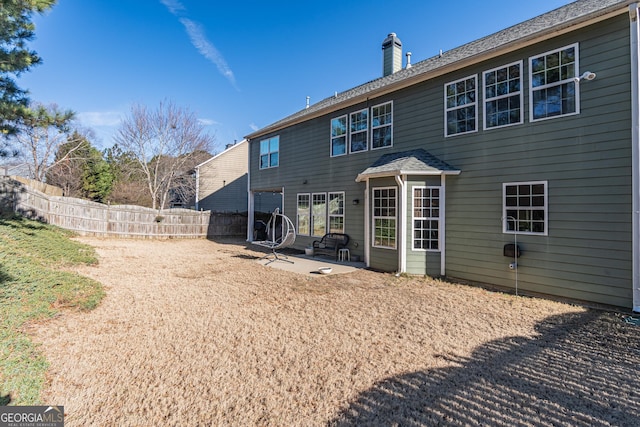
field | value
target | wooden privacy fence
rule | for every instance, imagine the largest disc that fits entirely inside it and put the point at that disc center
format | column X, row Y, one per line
column 95, row 219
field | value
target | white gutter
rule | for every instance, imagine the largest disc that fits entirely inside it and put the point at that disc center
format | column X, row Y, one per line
column 197, row 187
column 250, row 202
column 400, row 229
column 635, row 141
column 443, row 228
column 367, row 224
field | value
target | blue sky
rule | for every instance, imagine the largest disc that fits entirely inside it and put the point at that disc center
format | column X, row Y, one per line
column 239, row 66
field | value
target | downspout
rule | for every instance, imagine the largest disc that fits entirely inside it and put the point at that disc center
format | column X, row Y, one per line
column 635, row 153
column 400, row 230
column 367, row 224
column 443, row 228
column 250, row 201
column 197, row 189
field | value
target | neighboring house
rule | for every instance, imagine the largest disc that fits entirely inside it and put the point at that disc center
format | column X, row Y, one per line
column 528, row 136
column 221, row 183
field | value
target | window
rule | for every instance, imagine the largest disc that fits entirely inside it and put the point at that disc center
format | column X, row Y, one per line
column 339, row 136
column 503, row 96
column 269, row 152
column 525, row 207
column 304, row 214
column 381, row 125
column 336, row 212
column 384, row 217
column 319, row 214
column 426, row 218
column 460, row 106
column 553, row 90
column 359, row 135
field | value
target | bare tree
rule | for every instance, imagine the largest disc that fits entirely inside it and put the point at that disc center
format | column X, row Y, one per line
column 163, row 143
column 40, row 133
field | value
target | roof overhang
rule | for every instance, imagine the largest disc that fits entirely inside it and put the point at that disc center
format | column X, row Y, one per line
column 386, row 174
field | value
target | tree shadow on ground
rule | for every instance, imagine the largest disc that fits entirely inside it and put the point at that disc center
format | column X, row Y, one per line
column 583, row 369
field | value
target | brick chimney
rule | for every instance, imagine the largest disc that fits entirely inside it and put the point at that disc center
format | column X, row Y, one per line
column 391, row 55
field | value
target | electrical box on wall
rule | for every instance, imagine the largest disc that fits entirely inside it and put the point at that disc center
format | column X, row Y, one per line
column 511, row 250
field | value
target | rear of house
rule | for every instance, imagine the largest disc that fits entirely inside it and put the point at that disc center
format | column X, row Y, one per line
column 526, row 139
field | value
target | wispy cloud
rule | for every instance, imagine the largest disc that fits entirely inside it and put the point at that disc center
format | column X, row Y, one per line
column 199, row 39
column 207, row 122
column 254, row 127
column 100, row 118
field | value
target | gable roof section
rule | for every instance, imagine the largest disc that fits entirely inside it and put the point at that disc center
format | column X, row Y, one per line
column 413, row 162
column 222, row 153
column 570, row 17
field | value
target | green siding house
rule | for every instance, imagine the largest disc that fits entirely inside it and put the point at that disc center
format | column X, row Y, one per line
column 525, row 139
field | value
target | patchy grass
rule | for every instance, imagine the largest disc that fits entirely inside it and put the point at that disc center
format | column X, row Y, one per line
column 33, row 287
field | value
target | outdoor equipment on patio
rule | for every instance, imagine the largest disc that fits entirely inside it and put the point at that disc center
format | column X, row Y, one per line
column 280, row 234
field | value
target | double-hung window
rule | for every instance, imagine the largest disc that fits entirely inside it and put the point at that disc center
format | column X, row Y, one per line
column 382, row 125
column 460, row 99
column 339, row 136
column 525, row 207
column 503, row 96
column 553, row 90
column 359, row 131
column 319, row 214
column 426, row 218
column 384, row 217
column 270, row 152
column 304, row 214
column 336, row 212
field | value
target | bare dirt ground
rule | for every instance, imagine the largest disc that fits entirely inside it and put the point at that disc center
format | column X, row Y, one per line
column 194, row 332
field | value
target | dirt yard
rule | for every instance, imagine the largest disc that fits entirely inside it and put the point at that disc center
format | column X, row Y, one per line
column 194, row 332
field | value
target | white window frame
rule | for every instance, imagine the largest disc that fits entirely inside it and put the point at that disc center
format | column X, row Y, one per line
column 353, row 132
column 506, row 96
column 269, row 153
column 415, row 217
column 509, row 221
column 570, row 79
column 300, row 212
column 456, row 107
column 375, row 127
column 323, row 215
column 331, row 214
column 344, row 136
column 393, row 217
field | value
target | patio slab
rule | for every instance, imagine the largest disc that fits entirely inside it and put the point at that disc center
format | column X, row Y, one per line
column 310, row 266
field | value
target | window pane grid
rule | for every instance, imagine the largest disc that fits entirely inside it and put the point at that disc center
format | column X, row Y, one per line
column 460, row 101
column 503, row 97
column 270, row 152
column 303, row 214
column 384, row 217
column 319, row 214
column 525, row 208
column 426, row 218
column 339, row 136
column 553, row 89
column 359, row 129
column 381, row 122
column 336, row 212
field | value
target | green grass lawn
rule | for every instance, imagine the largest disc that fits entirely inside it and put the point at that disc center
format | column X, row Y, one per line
column 33, row 287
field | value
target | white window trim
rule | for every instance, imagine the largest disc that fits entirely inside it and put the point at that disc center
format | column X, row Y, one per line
column 330, row 215
column 485, row 98
column 268, row 153
column 346, row 136
column 312, row 217
column 577, row 85
column 298, row 214
column 366, row 132
column 446, row 109
column 505, row 208
column 376, row 127
column 413, row 218
column 374, row 217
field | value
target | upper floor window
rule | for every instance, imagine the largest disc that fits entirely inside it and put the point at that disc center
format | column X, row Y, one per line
column 270, row 152
column 384, row 217
column 359, row 127
column 339, row 136
column 460, row 106
column 382, row 125
column 525, row 207
column 503, row 96
column 553, row 88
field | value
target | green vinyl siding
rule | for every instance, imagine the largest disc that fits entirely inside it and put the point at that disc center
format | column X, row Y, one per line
column 584, row 158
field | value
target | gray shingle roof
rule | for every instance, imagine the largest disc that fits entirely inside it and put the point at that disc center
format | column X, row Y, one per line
column 544, row 25
column 412, row 162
